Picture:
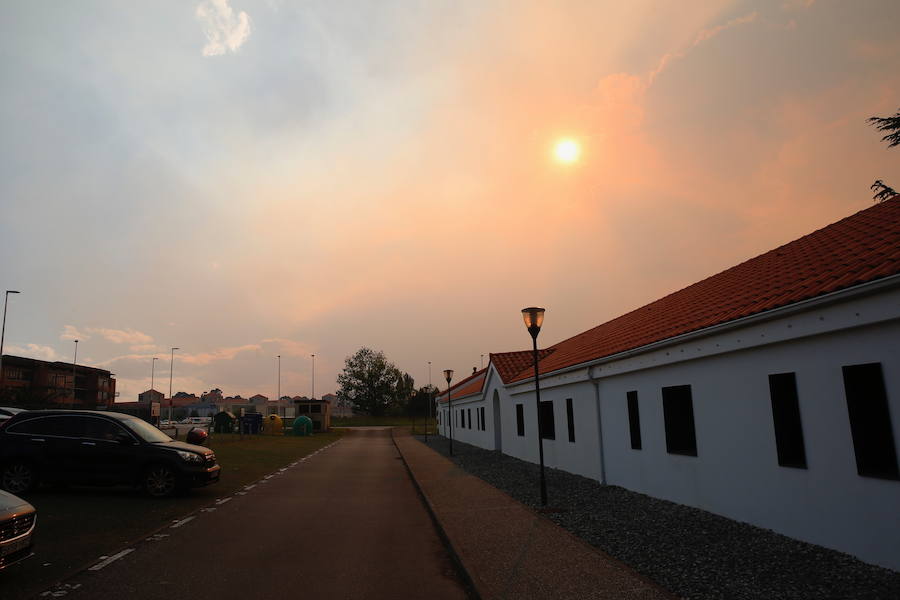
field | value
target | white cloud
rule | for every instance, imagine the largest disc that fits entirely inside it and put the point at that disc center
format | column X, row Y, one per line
column 34, row 351
column 122, row 336
column 70, row 332
column 225, row 31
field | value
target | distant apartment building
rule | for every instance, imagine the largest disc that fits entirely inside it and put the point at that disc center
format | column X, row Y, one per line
column 32, row 383
column 151, row 396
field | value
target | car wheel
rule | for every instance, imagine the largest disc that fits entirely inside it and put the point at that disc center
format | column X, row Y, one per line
column 160, row 481
column 18, row 478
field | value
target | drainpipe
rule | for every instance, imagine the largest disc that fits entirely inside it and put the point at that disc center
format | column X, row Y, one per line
column 596, row 383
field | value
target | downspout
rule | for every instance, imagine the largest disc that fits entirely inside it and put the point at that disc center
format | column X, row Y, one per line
column 596, row 383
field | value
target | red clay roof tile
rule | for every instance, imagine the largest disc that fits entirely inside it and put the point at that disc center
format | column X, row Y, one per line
column 858, row 249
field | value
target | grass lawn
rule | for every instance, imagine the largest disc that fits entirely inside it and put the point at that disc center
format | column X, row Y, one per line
column 246, row 460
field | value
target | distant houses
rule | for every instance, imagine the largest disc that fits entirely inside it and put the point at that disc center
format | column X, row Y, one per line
column 768, row 393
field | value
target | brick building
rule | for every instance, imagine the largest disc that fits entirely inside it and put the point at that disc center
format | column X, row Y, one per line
column 32, row 383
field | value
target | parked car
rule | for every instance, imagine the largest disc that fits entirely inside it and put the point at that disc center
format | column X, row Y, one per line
column 17, row 521
column 7, row 412
column 99, row 448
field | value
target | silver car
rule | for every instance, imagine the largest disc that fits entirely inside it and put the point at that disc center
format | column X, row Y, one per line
column 17, row 521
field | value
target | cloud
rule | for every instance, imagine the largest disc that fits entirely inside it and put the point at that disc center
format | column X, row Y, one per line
column 35, row 351
column 703, row 36
column 145, row 348
column 290, row 347
column 72, row 333
column 204, row 358
column 224, row 30
column 122, row 336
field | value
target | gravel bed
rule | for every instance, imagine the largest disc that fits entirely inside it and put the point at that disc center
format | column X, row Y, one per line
column 692, row 553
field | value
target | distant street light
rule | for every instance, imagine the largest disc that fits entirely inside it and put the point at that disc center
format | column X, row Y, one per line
column 171, row 366
column 448, row 375
column 313, row 377
column 74, row 362
column 278, row 399
column 430, row 401
column 534, row 318
column 3, row 334
column 150, row 401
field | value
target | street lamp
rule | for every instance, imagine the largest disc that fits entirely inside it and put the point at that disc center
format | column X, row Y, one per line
column 313, row 376
column 430, row 401
column 278, row 399
column 3, row 334
column 150, row 399
column 74, row 362
column 171, row 366
column 448, row 375
column 534, row 318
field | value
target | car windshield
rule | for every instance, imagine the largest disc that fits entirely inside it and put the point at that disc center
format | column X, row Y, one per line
column 146, row 431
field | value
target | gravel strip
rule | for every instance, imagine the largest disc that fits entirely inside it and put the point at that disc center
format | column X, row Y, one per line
column 692, row 553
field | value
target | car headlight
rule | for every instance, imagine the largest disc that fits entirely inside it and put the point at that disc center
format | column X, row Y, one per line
column 190, row 457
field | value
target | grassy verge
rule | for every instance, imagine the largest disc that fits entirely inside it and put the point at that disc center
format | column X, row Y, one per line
column 248, row 459
column 378, row 421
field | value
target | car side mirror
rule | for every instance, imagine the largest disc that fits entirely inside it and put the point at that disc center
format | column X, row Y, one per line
column 125, row 439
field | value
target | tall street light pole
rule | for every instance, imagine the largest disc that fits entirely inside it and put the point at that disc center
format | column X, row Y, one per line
column 74, row 362
column 448, row 375
column 313, row 377
column 430, row 401
column 534, row 318
column 152, row 373
column 278, row 398
column 3, row 334
column 171, row 367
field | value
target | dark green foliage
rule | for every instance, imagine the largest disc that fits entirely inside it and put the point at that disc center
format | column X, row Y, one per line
column 372, row 384
column 890, row 125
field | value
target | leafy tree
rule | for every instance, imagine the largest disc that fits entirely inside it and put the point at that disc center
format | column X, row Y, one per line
column 372, row 384
column 890, row 125
column 419, row 403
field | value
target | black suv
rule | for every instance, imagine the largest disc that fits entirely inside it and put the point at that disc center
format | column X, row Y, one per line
column 104, row 448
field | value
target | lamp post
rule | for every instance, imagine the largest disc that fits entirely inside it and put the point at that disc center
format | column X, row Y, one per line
column 171, row 366
column 74, row 362
column 313, row 377
column 534, row 318
column 152, row 373
column 278, row 398
column 430, row 401
column 3, row 334
column 448, row 375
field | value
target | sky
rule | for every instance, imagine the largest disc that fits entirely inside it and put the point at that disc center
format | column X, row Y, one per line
column 242, row 179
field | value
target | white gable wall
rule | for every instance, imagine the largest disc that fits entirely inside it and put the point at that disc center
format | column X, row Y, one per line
column 736, row 472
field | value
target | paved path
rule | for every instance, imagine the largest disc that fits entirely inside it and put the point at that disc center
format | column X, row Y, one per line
column 508, row 550
column 346, row 522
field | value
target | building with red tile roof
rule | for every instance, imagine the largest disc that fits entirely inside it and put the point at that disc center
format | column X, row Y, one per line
column 767, row 393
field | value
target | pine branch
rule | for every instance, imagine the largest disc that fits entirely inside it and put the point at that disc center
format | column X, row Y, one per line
column 882, row 191
column 891, row 124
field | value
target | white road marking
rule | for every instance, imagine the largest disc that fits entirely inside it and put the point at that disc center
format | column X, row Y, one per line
column 111, row 559
column 177, row 524
column 222, row 501
column 250, row 487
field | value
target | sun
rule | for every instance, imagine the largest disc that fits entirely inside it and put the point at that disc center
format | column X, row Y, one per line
column 567, row 150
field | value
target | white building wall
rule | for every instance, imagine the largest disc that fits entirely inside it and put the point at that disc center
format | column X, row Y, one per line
column 736, row 472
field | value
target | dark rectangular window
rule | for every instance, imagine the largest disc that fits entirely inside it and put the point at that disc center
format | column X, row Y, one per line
column 870, row 421
column 483, row 426
column 786, row 418
column 545, row 420
column 634, row 420
column 462, row 418
column 469, row 417
column 570, row 419
column 678, row 413
column 520, row 419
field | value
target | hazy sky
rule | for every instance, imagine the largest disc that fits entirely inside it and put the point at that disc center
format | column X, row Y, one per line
column 250, row 178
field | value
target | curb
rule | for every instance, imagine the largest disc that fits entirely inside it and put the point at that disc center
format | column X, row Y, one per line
column 465, row 576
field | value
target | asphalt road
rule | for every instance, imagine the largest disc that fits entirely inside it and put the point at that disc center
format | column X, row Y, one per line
column 345, row 522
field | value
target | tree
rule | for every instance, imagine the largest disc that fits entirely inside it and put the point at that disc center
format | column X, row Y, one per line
column 891, row 125
column 372, row 384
